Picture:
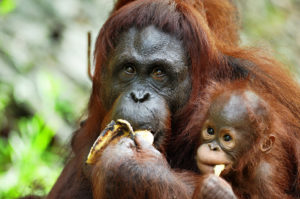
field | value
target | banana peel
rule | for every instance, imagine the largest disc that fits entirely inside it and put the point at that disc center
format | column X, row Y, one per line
column 120, row 128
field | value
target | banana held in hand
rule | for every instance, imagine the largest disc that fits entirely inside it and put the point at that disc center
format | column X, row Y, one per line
column 120, row 128
column 113, row 130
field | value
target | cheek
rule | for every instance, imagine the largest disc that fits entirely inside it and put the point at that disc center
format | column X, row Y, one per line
column 242, row 146
column 180, row 94
column 110, row 89
column 105, row 92
column 110, row 94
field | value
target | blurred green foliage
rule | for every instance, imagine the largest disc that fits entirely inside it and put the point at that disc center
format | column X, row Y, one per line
column 7, row 6
column 25, row 158
column 273, row 25
column 44, row 87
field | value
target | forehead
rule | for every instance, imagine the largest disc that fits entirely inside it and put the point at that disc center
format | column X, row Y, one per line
column 148, row 44
column 230, row 109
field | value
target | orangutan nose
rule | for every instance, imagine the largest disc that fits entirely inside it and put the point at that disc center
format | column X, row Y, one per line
column 214, row 147
column 139, row 96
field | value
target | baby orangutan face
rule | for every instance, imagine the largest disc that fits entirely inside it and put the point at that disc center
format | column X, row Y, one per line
column 228, row 131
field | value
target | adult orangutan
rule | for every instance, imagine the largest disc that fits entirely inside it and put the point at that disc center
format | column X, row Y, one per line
column 238, row 127
column 152, row 58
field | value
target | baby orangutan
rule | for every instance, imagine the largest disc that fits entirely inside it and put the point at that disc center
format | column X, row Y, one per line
column 241, row 130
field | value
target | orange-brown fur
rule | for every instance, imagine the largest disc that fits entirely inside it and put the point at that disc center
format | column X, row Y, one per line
column 208, row 30
column 281, row 179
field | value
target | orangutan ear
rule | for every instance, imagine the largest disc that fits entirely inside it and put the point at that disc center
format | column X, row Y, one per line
column 267, row 143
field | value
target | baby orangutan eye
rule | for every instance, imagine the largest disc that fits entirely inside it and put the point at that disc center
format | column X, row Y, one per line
column 227, row 138
column 210, row 131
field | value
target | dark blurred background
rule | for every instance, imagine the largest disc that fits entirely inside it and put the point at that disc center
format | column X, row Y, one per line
column 44, row 85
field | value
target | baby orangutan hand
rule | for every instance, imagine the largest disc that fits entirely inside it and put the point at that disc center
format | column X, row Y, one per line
column 214, row 187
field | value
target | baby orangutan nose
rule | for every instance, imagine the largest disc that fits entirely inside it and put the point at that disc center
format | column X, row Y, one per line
column 214, row 147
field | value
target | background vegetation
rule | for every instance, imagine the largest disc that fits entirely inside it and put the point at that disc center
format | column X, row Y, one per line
column 44, row 87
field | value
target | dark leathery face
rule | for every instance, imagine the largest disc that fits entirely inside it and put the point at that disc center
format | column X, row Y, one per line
column 146, row 79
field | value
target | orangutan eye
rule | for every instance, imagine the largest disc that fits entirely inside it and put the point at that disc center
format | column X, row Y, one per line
column 210, row 131
column 227, row 138
column 129, row 69
column 158, row 72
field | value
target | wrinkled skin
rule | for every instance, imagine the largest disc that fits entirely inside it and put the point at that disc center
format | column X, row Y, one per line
column 146, row 80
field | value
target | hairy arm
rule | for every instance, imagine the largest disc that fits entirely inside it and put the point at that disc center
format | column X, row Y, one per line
column 135, row 169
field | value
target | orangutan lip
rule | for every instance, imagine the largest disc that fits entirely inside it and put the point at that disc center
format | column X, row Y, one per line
column 227, row 164
column 213, row 165
column 208, row 165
